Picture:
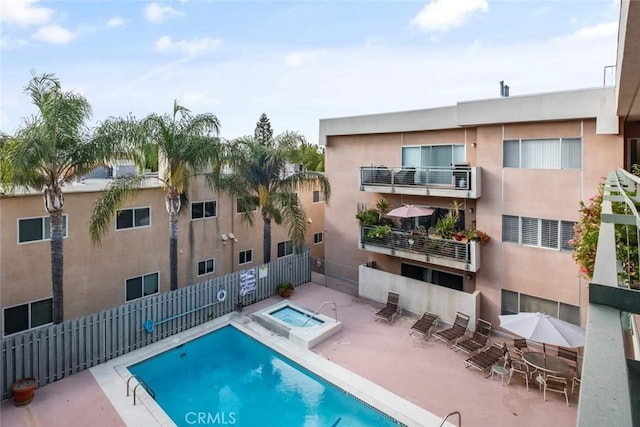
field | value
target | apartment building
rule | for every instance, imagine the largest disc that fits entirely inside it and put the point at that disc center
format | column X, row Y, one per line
column 517, row 168
column 132, row 260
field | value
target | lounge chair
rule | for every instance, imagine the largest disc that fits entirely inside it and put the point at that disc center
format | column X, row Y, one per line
column 458, row 329
column 425, row 325
column 486, row 358
column 391, row 310
column 471, row 344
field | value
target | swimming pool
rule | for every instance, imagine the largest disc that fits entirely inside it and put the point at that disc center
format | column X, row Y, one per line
column 227, row 377
column 296, row 317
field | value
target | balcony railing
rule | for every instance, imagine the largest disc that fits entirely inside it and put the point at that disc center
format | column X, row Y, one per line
column 610, row 385
column 462, row 181
column 421, row 247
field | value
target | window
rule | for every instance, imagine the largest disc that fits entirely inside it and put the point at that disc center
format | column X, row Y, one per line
column 285, row 248
column 206, row 266
column 26, row 316
column 141, row 286
column 510, row 227
column 566, row 234
column 317, row 238
column 318, row 196
column 515, row 302
column 38, row 229
column 559, row 153
column 245, row 257
column 206, row 209
column 244, row 205
column 429, row 275
column 544, row 233
column 133, row 218
column 433, row 157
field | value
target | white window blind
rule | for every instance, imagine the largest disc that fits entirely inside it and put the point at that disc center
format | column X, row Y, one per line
column 557, row 153
column 510, row 229
column 530, row 231
column 549, row 233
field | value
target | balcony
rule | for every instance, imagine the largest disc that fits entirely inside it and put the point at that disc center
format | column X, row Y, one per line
column 420, row 247
column 610, row 388
column 459, row 182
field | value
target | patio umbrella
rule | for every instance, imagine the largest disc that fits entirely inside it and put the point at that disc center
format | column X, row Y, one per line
column 410, row 211
column 543, row 328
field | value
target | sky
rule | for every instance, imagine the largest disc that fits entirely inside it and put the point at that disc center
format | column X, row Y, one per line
column 298, row 61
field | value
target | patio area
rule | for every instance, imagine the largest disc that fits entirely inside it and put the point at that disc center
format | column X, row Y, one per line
column 428, row 374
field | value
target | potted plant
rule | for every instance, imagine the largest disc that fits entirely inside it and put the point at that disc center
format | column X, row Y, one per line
column 285, row 289
column 23, row 390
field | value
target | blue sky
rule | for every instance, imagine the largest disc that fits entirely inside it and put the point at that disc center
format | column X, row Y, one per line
column 298, row 61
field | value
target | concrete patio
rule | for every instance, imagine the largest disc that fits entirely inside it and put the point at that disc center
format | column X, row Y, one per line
column 428, row 374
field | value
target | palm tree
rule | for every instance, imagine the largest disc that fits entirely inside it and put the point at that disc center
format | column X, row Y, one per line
column 51, row 149
column 258, row 178
column 187, row 146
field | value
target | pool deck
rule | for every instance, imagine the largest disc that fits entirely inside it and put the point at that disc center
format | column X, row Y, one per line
column 427, row 374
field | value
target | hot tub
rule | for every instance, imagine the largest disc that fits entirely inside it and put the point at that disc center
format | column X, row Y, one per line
column 299, row 324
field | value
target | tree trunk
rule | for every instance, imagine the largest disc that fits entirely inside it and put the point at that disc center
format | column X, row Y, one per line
column 57, row 266
column 266, row 240
column 172, row 203
column 173, row 250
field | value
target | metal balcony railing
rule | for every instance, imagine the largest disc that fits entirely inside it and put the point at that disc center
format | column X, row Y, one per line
column 610, row 384
column 420, row 246
column 453, row 181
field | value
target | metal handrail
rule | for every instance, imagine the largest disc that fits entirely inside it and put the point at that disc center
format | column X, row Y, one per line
column 142, row 383
column 453, row 413
column 335, row 308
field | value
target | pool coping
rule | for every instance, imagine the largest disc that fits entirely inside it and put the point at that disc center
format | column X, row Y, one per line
column 112, row 376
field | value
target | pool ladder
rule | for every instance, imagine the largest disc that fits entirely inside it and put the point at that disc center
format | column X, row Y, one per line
column 453, row 413
column 335, row 309
column 140, row 383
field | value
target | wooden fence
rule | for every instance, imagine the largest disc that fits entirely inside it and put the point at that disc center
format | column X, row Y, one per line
column 54, row 352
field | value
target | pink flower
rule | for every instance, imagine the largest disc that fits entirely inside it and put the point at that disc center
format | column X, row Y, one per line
column 571, row 242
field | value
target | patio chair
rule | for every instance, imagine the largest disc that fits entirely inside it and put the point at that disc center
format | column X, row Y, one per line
column 575, row 382
column 425, row 325
column 520, row 347
column 471, row 344
column 391, row 310
column 570, row 355
column 555, row 384
column 487, row 357
column 520, row 368
column 458, row 329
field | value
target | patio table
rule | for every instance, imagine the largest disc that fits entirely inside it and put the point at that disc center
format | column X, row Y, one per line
column 545, row 363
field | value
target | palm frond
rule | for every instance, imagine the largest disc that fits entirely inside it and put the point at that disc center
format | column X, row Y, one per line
column 294, row 218
column 120, row 190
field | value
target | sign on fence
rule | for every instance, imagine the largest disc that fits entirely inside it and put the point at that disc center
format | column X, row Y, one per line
column 247, row 282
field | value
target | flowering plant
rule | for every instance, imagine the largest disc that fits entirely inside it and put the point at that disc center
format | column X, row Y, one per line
column 585, row 234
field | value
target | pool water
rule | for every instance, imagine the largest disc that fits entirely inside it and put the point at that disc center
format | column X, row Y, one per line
column 295, row 317
column 229, row 378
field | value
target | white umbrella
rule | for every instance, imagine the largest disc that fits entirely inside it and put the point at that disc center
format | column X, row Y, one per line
column 410, row 211
column 543, row 328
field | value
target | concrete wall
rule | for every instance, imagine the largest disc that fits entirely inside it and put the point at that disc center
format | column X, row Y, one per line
column 417, row 296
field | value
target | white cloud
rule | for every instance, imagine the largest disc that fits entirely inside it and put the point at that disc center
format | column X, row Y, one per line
column 155, row 12
column 54, row 34
column 297, row 59
column 24, row 12
column 189, row 47
column 115, row 22
column 604, row 30
column 443, row 15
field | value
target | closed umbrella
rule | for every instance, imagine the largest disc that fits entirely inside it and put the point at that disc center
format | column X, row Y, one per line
column 543, row 328
column 410, row 211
